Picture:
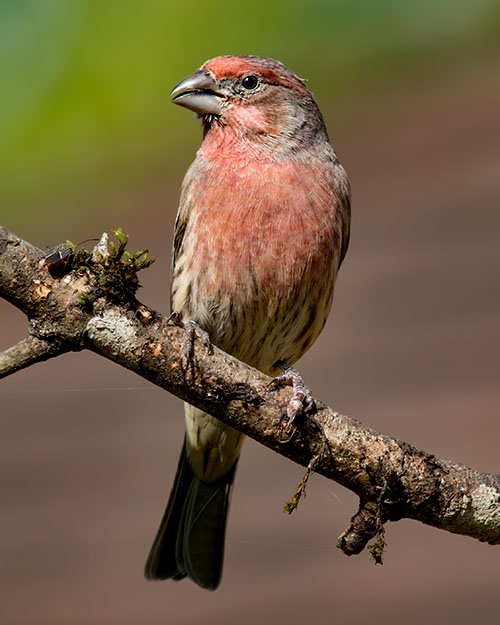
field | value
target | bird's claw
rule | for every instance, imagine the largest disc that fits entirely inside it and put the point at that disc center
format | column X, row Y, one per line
column 302, row 399
column 193, row 331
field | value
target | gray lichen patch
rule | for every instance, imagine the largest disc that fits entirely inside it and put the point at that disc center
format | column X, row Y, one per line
column 485, row 502
column 112, row 332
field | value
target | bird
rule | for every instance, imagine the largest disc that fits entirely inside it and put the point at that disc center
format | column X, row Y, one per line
column 261, row 231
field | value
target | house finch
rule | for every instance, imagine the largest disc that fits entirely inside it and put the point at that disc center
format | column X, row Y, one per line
column 262, row 228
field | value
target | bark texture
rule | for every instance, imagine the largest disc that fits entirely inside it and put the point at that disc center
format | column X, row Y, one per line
column 393, row 479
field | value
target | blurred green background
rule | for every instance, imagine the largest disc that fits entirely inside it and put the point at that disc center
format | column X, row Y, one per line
column 89, row 141
column 85, row 84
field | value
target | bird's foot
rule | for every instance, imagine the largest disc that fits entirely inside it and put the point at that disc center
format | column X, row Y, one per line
column 302, row 399
column 193, row 331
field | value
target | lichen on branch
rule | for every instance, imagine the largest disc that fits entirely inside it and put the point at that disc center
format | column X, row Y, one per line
column 93, row 306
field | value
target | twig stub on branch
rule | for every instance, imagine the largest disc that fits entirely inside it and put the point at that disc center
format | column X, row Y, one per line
column 393, row 479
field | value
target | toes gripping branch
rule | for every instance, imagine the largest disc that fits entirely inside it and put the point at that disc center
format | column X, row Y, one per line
column 193, row 331
column 302, row 399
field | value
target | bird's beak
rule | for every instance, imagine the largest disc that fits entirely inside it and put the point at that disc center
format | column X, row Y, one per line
column 198, row 93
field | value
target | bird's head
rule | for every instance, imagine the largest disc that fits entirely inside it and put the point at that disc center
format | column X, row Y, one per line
column 257, row 98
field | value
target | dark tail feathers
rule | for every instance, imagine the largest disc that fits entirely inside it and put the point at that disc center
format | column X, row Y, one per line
column 190, row 540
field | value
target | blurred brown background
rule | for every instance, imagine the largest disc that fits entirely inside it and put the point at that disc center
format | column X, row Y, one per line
column 88, row 451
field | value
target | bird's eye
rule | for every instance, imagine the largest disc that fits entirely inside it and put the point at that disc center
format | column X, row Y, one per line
column 250, row 82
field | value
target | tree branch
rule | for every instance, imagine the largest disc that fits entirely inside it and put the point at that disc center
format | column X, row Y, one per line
column 393, row 479
column 27, row 352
